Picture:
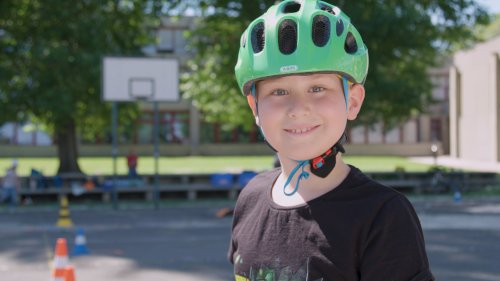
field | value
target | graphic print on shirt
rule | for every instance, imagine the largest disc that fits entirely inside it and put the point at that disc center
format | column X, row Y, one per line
column 272, row 273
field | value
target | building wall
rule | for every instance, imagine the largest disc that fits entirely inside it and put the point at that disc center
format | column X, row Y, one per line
column 23, row 134
column 475, row 95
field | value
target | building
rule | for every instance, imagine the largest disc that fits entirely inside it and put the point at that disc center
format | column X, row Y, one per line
column 475, row 103
column 416, row 136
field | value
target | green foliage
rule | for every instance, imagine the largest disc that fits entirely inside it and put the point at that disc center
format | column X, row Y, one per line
column 404, row 37
column 489, row 31
column 209, row 82
column 51, row 55
column 50, row 59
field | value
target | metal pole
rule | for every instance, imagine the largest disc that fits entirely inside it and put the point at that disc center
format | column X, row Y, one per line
column 435, row 149
column 114, row 152
column 156, row 194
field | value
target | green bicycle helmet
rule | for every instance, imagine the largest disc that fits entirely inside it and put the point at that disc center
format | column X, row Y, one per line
column 300, row 36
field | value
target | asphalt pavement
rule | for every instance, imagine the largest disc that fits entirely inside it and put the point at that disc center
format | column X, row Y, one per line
column 187, row 242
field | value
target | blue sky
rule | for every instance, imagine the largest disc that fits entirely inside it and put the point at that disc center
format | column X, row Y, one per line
column 492, row 5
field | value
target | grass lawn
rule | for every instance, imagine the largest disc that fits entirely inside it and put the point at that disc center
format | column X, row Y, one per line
column 201, row 164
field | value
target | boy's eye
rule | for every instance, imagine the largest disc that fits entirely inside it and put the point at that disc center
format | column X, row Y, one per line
column 317, row 89
column 279, row 92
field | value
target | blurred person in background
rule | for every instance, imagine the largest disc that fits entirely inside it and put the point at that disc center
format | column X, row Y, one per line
column 10, row 185
column 132, row 160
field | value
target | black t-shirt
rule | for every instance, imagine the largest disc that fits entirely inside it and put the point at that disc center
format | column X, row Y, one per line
column 360, row 230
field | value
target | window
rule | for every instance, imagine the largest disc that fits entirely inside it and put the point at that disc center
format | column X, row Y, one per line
column 166, row 40
column 436, row 134
column 173, row 127
column 213, row 133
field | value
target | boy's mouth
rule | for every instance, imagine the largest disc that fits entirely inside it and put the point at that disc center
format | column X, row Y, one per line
column 300, row 131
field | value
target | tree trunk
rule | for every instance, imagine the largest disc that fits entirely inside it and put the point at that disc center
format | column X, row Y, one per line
column 67, row 150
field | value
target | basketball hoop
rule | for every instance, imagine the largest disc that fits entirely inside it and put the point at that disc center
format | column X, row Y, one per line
column 132, row 79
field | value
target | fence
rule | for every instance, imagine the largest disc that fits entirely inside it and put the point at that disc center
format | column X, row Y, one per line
column 194, row 186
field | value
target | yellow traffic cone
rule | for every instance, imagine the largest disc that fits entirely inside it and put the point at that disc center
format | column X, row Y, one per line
column 64, row 218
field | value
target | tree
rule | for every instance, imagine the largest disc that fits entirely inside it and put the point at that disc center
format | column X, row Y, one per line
column 210, row 83
column 50, row 62
column 404, row 37
column 489, row 31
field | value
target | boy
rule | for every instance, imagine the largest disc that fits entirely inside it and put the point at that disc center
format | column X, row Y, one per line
column 302, row 66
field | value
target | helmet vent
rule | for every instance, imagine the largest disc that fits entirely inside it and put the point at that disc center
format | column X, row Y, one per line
column 350, row 45
column 320, row 30
column 340, row 27
column 291, row 7
column 287, row 37
column 327, row 8
column 258, row 37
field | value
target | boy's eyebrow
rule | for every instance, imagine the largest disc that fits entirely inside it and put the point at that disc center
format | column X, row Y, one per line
column 321, row 77
column 325, row 79
column 273, row 82
column 329, row 78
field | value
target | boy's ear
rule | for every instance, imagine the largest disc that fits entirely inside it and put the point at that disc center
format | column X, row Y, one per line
column 251, row 103
column 356, row 97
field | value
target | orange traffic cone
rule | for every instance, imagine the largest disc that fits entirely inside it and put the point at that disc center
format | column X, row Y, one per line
column 70, row 273
column 60, row 260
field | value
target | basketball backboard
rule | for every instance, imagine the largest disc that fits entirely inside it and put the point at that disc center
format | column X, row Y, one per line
column 132, row 79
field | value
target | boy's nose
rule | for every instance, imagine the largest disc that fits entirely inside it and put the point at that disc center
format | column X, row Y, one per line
column 299, row 106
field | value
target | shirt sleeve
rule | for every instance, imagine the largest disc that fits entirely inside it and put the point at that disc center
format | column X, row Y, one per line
column 230, row 252
column 232, row 243
column 394, row 248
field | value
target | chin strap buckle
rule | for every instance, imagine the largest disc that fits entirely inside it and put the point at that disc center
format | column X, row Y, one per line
column 319, row 161
column 322, row 165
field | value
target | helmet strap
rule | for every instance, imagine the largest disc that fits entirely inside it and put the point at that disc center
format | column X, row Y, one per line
column 345, row 84
column 303, row 174
column 322, row 165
